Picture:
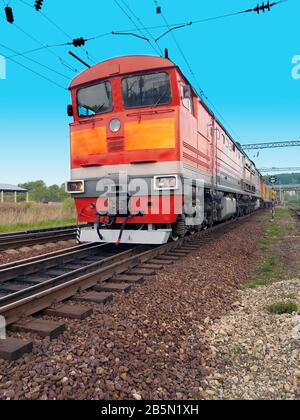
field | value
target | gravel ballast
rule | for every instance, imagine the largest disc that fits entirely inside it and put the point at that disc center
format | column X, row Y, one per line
column 148, row 344
column 254, row 354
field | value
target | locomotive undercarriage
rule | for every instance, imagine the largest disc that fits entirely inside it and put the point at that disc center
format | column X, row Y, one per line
column 214, row 211
column 217, row 207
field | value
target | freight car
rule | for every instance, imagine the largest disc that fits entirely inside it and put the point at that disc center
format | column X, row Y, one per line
column 140, row 134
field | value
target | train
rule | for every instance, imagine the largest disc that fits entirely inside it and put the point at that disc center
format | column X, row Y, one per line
column 150, row 161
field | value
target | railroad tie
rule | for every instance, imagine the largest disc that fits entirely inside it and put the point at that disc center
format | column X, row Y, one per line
column 41, row 327
column 178, row 253
column 95, row 297
column 151, row 266
column 14, row 348
column 162, row 262
column 70, row 311
column 113, row 287
column 141, row 272
column 130, row 279
column 168, row 258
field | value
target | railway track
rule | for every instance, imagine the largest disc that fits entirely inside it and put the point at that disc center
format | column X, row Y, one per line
column 296, row 212
column 30, row 287
column 29, row 238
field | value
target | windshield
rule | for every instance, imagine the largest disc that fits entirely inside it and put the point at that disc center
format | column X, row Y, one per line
column 95, row 99
column 146, row 90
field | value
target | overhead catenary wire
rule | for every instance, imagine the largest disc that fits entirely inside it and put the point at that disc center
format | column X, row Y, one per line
column 170, row 28
column 190, row 23
column 200, row 90
column 256, row 9
column 34, row 61
column 37, row 49
column 128, row 12
column 136, row 26
column 42, row 45
column 160, row 52
column 60, row 29
column 36, row 73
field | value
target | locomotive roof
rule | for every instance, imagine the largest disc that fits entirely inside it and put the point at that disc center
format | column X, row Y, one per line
column 121, row 65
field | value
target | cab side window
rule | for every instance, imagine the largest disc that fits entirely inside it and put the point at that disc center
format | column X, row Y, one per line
column 187, row 97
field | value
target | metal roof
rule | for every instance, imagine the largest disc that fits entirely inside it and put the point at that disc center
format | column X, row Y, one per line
column 11, row 188
column 119, row 66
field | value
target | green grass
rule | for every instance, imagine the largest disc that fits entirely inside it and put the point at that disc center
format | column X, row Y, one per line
column 237, row 349
column 273, row 234
column 281, row 212
column 282, row 308
column 265, row 273
column 271, row 268
column 19, row 227
column 253, row 284
column 263, row 244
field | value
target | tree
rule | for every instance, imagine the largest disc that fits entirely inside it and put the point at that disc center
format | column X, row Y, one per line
column 39, row 192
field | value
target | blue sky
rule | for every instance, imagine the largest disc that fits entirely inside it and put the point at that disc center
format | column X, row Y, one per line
column 243, row 64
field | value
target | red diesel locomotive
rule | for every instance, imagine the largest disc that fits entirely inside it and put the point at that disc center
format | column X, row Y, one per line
column 137, row 120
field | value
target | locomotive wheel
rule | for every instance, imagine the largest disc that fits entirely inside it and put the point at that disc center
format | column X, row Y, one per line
column 179, row 229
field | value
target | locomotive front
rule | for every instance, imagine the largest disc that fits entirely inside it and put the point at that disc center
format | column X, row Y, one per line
column 125, row 158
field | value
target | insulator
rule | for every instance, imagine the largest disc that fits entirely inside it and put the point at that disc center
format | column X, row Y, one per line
column 9, row 14
column 78, row 42
column 38, row 5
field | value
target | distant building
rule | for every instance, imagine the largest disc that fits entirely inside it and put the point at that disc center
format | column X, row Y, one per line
column 7, row 188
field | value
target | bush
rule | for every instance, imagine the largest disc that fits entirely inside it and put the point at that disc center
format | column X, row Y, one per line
column 69, row 205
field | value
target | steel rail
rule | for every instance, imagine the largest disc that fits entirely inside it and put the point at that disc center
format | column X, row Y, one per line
column 65, row 277
column 20, row 239
column 23, row 268
column 43, row 230
column 60, row 289
column 47, row 255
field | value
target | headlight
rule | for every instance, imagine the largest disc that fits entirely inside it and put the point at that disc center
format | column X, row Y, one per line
column 115, row 125
column 166, row 182
column 75, row 187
